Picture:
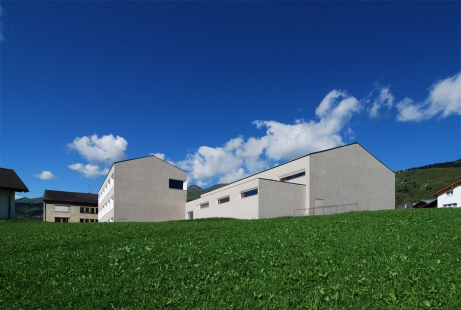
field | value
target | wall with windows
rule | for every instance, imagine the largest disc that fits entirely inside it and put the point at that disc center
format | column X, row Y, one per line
column 450, row 199
column 239, row 201
column 145, row 189
column 68, row 213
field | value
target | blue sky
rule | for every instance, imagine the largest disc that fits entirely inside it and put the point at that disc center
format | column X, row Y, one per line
column 223, row 89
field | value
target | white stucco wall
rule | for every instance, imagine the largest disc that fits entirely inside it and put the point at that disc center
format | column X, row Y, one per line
column 445, row 199
column 237, row 207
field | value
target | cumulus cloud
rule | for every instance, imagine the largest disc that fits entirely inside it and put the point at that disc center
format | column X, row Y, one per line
column 238, row 158
column 385, row 98
column 89, row 170
column 444, row 100
column 100, row 152
column 45, row 175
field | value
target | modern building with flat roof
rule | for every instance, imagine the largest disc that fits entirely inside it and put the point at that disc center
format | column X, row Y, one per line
column 344, row 176
column 145, row 189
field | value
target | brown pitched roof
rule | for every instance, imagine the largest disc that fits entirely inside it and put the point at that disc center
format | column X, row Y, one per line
column 10, row 180
column 70, row 197
column 443, row 190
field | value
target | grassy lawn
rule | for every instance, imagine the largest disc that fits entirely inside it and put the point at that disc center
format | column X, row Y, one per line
column 399, row 259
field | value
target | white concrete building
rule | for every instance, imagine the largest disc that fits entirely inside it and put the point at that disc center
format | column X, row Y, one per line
column 344, row 175
column 145, row 189
column 449, row 196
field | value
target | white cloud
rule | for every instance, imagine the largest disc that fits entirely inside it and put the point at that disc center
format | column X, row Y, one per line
column 89, row 170
column 106, row 149
column 158, row 155
column 45, row 175
column 238, row 158
column 385, row 98
column 97, row 151
column 444, row 100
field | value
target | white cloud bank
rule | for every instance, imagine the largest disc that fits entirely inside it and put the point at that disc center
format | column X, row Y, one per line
column 45, row 175
column 99, row 152
column 238, row 158
column 444, row 100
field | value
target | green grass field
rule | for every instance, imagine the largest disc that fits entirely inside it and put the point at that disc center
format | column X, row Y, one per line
column 398, row 259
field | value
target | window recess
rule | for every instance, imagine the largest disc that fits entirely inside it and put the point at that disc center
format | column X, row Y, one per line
column 223, row 200
column 204, row 205
column 293, row 176
column 248, row 193
column 58, row 208
column 89, row 210
column 176, row 184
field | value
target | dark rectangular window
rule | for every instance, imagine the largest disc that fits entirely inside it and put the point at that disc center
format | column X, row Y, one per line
column 61, row 219
column 88, row 220
column 223, row 200
column 249, row 193
column 90, row 210
column 176, row 184
column 293, row 176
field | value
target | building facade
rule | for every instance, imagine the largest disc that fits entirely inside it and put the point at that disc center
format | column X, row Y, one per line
column 10, row 183
column 449, row 196
column 145, row 189
column 344, row 175
column 68, row 207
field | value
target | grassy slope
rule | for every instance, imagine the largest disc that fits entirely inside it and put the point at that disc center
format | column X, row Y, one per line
column 410, row 185
column 365, row 260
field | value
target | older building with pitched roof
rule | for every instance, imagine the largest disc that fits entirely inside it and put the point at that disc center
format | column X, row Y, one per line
column 59, row 206
column 9, row 184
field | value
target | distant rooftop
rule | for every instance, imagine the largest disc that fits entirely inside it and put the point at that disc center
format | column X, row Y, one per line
column 10, row 180
column 70, row 197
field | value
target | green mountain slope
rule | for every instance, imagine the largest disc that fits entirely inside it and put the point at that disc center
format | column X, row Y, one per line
column 194, row 191
column 29, row 207
column 420, row 183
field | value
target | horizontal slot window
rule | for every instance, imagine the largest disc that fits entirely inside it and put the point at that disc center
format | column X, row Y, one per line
column 59, row 208
column 204, row 205
column 223, row 200
column 176, row 184
column 251, row 192
column 293, row 176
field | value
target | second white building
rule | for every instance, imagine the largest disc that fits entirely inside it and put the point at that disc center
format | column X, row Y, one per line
column 346, row 175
